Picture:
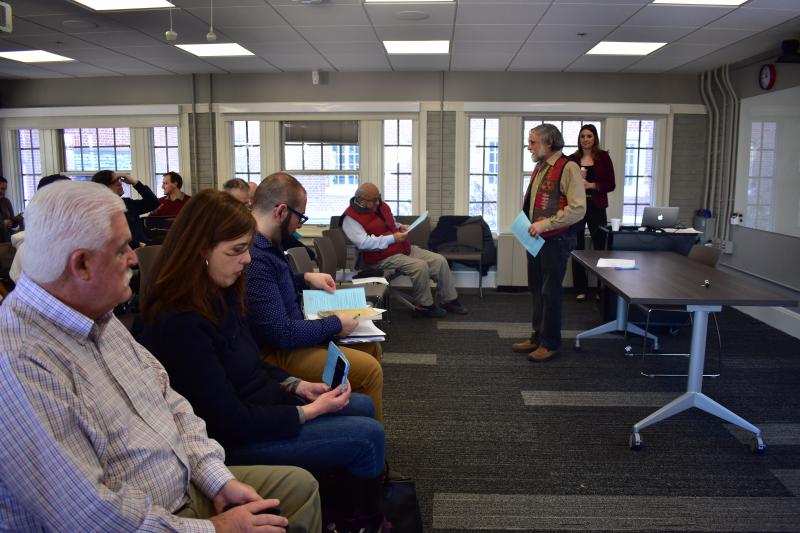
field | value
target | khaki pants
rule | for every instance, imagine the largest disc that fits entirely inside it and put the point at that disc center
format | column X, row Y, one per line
column 421, row 266
column 366, row 374
column 294, row 487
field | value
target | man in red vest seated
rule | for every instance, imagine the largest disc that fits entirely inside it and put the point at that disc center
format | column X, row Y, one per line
column 371, row 227
column 554, row 201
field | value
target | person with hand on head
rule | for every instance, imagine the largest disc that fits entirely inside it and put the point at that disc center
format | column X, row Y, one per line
column 238, row 188
column 370, row 225
column 597, row 172
column 94, row 437
column 8, row 220
column 174, row 199
column 134, row 208
column 276, row 320
column 554, row 202
column 194, row 323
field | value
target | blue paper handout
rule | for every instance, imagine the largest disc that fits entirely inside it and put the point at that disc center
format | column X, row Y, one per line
column 520, row 230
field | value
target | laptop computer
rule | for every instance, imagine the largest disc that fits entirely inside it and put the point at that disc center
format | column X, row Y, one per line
column 660, row 217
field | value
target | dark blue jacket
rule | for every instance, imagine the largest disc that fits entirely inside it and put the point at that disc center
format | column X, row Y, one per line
column 136, row 208
column 273, row 309
column 219, row 370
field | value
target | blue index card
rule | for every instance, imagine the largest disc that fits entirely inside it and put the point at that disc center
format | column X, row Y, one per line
column 417, row 222
column 336, row 367
column 520, row 230
column 315, row 301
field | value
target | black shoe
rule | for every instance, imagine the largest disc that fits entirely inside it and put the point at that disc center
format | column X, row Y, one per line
column 429, row 311
column 454, row 307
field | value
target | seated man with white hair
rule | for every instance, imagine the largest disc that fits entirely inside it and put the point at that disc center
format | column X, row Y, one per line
column 94, row 438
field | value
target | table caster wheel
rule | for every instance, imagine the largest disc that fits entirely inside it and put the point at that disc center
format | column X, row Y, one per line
column 629, row 351
column 757, row 445
column 635, row 441
column 577, row 347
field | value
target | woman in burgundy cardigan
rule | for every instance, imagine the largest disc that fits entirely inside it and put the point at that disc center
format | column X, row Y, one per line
column 598, row 180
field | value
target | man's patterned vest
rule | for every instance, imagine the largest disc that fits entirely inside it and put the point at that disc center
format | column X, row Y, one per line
column 548, row 199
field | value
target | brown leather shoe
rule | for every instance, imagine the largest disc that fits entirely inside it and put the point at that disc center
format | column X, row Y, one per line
column 541, row 354
column 525, row 346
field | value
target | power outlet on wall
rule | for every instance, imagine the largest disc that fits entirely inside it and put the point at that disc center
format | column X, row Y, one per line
column 727, row 247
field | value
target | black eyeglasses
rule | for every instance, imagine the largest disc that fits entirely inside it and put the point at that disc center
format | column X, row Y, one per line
column 302, row 216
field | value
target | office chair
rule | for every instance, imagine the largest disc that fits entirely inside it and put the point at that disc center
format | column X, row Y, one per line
column 147, row 259
column 702, row 254
column 299, row 260
column 339, row 240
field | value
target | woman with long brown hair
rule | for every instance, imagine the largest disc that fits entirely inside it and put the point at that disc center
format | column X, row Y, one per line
column 194, row 323
column 598, row 180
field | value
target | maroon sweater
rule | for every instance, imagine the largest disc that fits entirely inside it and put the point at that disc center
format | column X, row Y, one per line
column 603, row 177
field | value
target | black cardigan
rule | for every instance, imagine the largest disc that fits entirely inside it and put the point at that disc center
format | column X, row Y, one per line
column 220, row 371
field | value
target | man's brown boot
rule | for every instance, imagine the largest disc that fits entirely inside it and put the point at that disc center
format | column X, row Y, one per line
column 525, row 346
column 541, row 354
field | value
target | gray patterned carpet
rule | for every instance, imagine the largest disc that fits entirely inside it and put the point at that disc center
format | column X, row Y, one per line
column 496, row 443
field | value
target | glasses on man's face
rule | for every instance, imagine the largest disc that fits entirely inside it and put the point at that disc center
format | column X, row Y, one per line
column 302, row 216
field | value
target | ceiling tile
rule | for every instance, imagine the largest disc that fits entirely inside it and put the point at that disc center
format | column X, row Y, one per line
column 109, row 59
column 336, row 34
column 358, row 62
column 188, row 4
column 555, row 33
column 500, row 13
column 294, row 3
column 265, row 49
column 422, row 33
column 628, row 33
column 93, row 23
column 467, row 47
column 16, row 69
column 601, row 63
column 45, row 7
column 263, row 35
column 295, row 62
column 774, row 4
column 565, row 49
column 324, row 15
column 82, row 69
column 597, row 14
column 386, row 14
column 52, row 42
column 407, row 62
column 242, row 64
column 487, row 61
column 28, row 27
column 551, row 63
column 247, row 17
column 121, row 38
column 671, row 15
column 492, row 32
column 754, row 19
column 716, row 36
column 349, row 48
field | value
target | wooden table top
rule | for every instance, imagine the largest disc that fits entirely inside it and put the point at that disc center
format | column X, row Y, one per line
column 667, row 278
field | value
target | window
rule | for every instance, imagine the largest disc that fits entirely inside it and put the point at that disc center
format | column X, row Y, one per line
column 325, row 158
column 30, row 163
column 397, row 165
column 165, row 151
column 761, row 175
column 569, row 128
column 87, row 150
column 247, row 150
column 638, row 192
column 483, row 175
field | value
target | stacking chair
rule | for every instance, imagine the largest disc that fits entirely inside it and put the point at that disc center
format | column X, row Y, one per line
column 469, row 243
column 147, row 259
column 421, row 234
column 299, row 260
column 339, row 239
column 326, row 257
column 702, row 254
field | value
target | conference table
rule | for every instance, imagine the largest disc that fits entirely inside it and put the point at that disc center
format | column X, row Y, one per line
column 668, row 278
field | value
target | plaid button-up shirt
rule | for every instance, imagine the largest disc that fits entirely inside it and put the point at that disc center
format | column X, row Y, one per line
column 92, row 437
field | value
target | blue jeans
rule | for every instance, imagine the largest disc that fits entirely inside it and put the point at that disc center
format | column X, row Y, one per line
column 351, row 438
column 545, row 277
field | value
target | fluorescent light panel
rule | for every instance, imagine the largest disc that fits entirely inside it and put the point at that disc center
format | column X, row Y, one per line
column 122, row 5
column 216, row 50
column 620, row 48
column 724, row 3
column 417, row 47
column 35, row 56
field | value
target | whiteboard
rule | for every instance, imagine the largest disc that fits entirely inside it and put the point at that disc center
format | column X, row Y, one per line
column 768, row 162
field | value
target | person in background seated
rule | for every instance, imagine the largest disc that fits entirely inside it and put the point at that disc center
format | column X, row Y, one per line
column 174, row 199
column 554, row 202
column 273, row 310
column 597, row 172
column 238, row 188
column 94, row 438
column 8, row 220
column 134, row 208
column 18, row 239
column 195, row 324
column 370, row 225
column 252, row 185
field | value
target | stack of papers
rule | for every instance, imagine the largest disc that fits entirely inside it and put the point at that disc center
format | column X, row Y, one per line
column 417, row 222
column 619, row 264
column 351, row 301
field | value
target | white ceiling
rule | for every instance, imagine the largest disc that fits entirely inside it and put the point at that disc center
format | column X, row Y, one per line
column 346, row 35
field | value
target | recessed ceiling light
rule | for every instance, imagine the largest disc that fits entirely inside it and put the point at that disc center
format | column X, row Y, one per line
column 618, row 48
column 122, row 5
column 417, row 47
column 35, row 56
column 216, row 50
column 725, row 3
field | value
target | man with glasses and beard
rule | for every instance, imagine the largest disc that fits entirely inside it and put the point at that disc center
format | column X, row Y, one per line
column 273, row 310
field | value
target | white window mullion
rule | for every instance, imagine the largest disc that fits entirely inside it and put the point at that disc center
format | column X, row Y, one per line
column 271, row 154
column 510, row 181
column 613, row 140
column 11, row 167
column 51, row 151
column 370, row 138
column 142, row 158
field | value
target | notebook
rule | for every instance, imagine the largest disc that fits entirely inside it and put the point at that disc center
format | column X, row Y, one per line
column 660, row 217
